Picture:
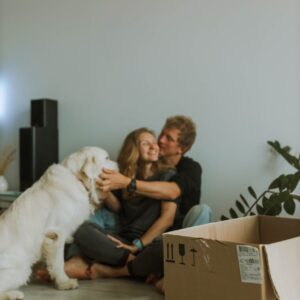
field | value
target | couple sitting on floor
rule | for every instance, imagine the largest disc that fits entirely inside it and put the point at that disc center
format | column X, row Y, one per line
column 154, row 190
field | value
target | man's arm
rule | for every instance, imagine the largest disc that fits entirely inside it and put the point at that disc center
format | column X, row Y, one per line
column 158, row 189
column 112, row 180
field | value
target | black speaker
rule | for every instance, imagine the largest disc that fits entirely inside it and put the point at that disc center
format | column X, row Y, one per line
column 44, row 113
column 38, row 150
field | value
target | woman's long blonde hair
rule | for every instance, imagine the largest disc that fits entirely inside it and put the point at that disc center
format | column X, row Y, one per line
column 129, row 156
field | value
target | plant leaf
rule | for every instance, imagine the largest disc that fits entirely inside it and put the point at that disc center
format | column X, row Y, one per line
column 283, row 197
column 233, row 213
column 282, row 182
column 274, row 144
column 224, row 218
column 251, row 191
column 293, row 180
column 275, row 210
column 284, row 152
column 275, row 184
column 260, row 210
column 296, row 197
column 240, row 206
column 289, row 205
column 244, row 200
column 274, row 200
column 266, row 203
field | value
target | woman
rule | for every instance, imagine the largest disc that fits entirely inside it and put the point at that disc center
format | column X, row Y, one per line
column 142, row 219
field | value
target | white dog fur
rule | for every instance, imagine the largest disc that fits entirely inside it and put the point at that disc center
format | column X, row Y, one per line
column 38, row 223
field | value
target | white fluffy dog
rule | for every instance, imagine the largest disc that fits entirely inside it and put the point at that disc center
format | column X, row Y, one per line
column 38, row 223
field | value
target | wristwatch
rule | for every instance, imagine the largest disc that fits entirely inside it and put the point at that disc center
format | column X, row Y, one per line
column 131, row 188
column 138, row 244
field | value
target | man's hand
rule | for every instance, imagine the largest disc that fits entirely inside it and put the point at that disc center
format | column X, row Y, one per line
column 112, row 180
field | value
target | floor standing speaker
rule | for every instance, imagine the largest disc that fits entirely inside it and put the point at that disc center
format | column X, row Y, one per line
column 38, row 150
column 44, row 113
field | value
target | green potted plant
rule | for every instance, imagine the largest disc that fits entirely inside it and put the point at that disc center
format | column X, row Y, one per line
column 280, row 194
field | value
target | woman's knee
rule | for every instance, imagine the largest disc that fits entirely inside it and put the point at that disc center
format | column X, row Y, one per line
column 85, row 233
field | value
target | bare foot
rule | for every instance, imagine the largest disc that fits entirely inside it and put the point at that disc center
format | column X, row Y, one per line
column 151, row 279
column 42, row 275
column 98, row 270
column 160, row 286
column 76, row 267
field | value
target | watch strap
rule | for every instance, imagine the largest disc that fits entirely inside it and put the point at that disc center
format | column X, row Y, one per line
column 131, row 188
column 138, row 244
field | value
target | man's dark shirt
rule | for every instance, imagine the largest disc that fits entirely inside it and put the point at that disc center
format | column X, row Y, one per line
column 188, row 178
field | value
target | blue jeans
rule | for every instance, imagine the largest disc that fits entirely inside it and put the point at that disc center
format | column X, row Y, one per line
column 105, row 219
column 197, row 215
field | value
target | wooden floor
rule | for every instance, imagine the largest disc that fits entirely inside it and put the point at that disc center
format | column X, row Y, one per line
column 100, row 289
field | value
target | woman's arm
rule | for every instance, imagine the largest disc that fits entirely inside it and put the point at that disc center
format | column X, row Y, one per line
column 165, row 220
column 112, row 202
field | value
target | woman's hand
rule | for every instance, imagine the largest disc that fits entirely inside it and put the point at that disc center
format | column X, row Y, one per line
column 112, row 180
column 102, row 194
column 133, row 249
column 101, row 187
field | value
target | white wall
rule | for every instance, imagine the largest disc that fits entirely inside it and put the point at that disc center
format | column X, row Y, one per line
column 233, row 66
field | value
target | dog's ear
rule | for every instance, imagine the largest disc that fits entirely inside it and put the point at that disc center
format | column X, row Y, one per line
column 91, row 169
column 74, row 162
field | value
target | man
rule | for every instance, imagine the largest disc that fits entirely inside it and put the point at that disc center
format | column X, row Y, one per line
column 176, row 138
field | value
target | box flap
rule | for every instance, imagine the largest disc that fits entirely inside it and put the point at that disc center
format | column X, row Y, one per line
column 283, row 261
column 277, row 229
column 200, row 231
column 242, row 230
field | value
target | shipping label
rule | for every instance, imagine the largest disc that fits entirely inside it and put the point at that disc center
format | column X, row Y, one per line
column 249, row 262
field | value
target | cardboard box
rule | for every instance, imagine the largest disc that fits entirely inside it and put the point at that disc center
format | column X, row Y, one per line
column 255, row 258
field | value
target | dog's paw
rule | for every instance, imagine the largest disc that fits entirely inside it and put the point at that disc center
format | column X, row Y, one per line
column 13, row 295
column 68, row 284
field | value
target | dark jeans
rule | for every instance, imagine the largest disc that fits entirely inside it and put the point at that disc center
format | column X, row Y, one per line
column 95, row 246
column 150, row 260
